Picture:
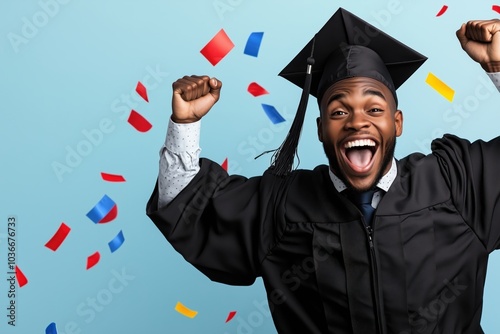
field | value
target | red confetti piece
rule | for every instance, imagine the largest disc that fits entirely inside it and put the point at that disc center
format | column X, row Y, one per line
column 142, row 91
column 442, row 10
column 496, row 8
column 224, row 165
column 139, row 122
column 218, row 47
column 93, row 259
column 230, row 316
column 110, row 216
column 21, row 279
column 112, row 177
column 58, row 238
column 256, row 90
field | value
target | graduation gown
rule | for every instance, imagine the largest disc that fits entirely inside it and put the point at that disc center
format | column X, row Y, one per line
column 420, row 270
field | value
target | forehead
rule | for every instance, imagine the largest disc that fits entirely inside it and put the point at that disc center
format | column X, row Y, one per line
column 356, row 85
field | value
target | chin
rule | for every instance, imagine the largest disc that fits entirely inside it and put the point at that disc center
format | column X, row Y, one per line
column 362, row 186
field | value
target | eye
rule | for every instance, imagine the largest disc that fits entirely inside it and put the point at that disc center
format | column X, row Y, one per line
column 375, row 110
column 337, row 113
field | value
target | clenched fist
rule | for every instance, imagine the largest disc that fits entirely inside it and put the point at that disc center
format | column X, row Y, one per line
column 481, row 40
column 193, row 96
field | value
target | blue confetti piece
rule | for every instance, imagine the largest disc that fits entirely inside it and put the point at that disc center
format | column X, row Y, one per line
column 116, row 242
column 273, row 114
column 51, row 329
column 101, row 209
column 253, row 44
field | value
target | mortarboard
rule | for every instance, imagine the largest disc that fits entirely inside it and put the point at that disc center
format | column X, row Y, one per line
column 346, row 46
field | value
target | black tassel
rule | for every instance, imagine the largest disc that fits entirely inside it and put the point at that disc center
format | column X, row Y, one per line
column 283, row 157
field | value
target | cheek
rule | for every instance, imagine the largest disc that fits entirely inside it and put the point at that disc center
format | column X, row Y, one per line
column 330, row 136
column 387, row 129
column 330, row 130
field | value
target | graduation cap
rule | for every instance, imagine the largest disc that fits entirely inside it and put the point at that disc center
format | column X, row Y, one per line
column 346, row 46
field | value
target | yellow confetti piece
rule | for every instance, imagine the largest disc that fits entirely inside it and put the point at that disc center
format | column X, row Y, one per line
column 440, row 86
column 185, row 311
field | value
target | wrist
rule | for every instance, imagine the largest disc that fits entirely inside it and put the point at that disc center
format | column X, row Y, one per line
column 183, row 120
column 491, row 67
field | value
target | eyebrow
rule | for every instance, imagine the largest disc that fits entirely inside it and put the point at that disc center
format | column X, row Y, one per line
column 366, row 92
column 335, row 97
column 374, row 92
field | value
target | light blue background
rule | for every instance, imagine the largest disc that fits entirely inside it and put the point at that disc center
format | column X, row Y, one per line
column 79, row 68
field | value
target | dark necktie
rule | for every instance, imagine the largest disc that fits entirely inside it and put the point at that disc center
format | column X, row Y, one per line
column 363, row 200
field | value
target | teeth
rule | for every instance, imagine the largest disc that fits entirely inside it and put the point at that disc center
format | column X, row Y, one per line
column 360, row 142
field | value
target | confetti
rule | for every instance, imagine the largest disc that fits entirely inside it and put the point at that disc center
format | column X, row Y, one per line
column 224, row 165
column 21, row 279
column 139, row 122
column 142, row 91
column 185, row 311
column 496, row 8
column 110, row 216
column 253, row 44
column 256, row 90
column 104, row 211
column 112, row 177
column 273, row 114
column 58, row 238
column 442, row 10
column 230, row 316
column 51, row 329
column 218, row 47
column 93, row 259
column 116, row 242
column 440, row 86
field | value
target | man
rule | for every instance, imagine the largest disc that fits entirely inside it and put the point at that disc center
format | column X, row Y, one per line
column 329, row 264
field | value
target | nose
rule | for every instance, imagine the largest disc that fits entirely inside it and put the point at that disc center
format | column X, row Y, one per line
column 357, row 120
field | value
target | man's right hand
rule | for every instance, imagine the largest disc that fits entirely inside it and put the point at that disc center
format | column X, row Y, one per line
column 193, row 96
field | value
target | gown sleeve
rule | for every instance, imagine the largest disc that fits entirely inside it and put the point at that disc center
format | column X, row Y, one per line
column 223, row 225
column 473, row 175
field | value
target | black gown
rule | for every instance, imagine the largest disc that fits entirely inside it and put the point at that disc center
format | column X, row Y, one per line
column 421, row 270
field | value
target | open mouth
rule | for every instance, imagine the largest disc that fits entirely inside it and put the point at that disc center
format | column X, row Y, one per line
column 360, row 154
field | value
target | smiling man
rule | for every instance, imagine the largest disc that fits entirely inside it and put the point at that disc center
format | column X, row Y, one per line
column 358, row 127
column 367, row 243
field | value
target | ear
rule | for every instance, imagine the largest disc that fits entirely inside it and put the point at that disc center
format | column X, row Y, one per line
column 398, row 122
column 320, row 129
